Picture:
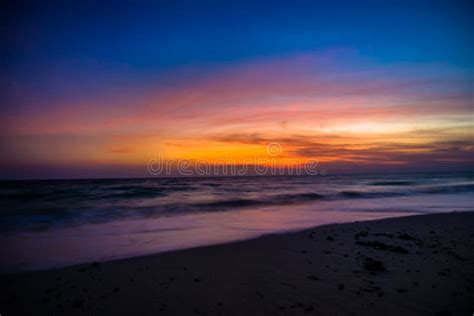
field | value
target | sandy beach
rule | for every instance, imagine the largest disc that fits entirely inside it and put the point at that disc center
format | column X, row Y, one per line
column 415, row 265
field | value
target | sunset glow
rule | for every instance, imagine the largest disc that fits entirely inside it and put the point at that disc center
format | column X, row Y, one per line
column 351, row 111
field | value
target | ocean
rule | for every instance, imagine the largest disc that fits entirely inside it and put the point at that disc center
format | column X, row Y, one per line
column 53, row 223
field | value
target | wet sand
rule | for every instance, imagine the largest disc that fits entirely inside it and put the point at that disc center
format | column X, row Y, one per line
column 416, row 265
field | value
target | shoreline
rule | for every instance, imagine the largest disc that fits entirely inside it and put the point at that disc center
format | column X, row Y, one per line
column 218, row 244
column 115, row 240
column 380, row 266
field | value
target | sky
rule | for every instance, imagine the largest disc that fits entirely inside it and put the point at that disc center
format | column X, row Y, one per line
column 94, row 89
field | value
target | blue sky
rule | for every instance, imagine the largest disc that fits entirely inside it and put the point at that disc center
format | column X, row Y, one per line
column 161, row 35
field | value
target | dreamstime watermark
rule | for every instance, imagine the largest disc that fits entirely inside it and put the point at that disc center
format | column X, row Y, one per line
column 273, row 164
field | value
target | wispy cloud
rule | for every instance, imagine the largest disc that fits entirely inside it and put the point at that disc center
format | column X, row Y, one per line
column 314, row 105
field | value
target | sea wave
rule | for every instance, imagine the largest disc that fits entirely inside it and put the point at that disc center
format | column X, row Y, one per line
column 27, row 205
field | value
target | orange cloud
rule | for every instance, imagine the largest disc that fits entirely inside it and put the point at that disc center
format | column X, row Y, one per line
column 313, row 105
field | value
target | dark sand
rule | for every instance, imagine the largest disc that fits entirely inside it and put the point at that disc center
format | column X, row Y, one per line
column 417, row 265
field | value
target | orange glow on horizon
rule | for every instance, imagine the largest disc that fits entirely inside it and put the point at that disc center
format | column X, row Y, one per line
column 313, row 109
